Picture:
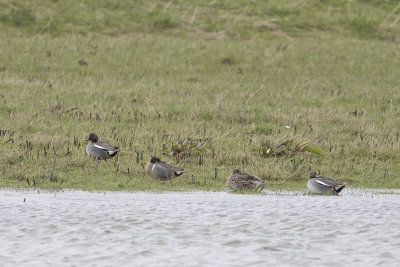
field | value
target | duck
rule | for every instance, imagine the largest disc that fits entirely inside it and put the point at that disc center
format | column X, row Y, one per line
column 320, row 184
column 244, row 181
column 100, row 150
column 162, row 170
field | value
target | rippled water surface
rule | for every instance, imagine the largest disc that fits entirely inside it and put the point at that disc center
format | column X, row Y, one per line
column 75, row 228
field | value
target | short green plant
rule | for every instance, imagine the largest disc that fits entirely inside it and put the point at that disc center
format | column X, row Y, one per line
column 290, row 148
column 188, row 148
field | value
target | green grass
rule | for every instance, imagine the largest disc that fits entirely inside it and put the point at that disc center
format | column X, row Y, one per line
column 233, row 73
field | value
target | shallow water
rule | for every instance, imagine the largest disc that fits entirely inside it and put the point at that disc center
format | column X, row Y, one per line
column 75, row 228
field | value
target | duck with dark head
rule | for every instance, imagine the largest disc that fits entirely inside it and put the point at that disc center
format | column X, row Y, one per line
column 100, row 150
column 162, row 170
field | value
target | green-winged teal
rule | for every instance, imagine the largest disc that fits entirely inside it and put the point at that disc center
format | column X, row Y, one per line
column 243, row 181
column 100, row 150
column 320, row 184
column 162, row 170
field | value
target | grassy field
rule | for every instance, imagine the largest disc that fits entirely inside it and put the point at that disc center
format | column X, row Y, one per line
column 237, row 76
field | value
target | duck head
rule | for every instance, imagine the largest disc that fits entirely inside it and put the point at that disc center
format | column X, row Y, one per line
column 93, row 137
column 236, row 171
column 313, row 175
column 154, row 160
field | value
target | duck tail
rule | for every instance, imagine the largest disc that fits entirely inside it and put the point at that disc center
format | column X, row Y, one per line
column 180, row 172
column 340, row 189
column 112, row 153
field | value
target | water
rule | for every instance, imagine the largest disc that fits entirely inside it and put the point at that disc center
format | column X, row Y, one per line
column 75, row 228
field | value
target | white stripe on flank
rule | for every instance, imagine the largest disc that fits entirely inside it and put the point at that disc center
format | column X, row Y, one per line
column 320, row 182
column 154, row 165
column 103, row 148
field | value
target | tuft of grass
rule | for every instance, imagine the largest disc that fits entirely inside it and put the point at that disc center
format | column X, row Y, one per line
column 20, row 17
column 362, row 26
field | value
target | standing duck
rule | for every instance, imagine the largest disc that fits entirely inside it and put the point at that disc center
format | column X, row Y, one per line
column 162, row 170
column 243, row 181
column 100, row 150
column 320, row 184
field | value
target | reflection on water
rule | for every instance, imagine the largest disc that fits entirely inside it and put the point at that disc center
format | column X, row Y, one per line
column 190, row 229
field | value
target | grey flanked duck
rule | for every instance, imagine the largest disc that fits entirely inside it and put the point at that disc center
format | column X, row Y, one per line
column 162, row 170
column 100, row 150
column 243, row 181
column 320, row 184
